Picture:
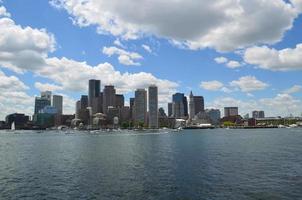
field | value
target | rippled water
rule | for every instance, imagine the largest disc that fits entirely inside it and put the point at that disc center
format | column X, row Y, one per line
column 199, row 164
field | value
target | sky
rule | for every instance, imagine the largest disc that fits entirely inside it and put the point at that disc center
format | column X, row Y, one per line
column 234, row 53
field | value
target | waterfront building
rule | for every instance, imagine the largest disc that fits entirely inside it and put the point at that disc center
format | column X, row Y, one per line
column 230, row 111
column 198, row 104
column 258, row 114
column 140, row 107
column 49, row 110
column 180, row 105
column 191, row 106
column 153, row 106
column 214, row 115
column 119, row 101
column 57, row 102
column 170, row 108
column 40, row 103
column 108, row 97
column 84, row 101
column 19, row 119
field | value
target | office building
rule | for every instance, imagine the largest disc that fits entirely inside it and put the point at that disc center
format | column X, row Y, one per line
column 132, row 108
column 230, row 111
column 214, row 115
column 258, row 114
column 198, row 104
column 20, row 120
column 57, row 102
column 191, row 106
column 46, row 95
column 140, row 107
column 40, row 103
column 94, row 90
column 180, row 105
column 153, row 106
column 119, row 101
column 84, row 101
column 170, row 108
column 108, row 97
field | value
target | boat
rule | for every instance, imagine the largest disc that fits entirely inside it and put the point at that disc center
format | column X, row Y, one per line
column 13, row 126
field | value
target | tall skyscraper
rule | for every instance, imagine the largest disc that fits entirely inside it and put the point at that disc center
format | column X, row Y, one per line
column 108, row 97
column 57, row 102
column 198, row 104
column 153, row 106
column 180, row 106
column 93, row 91
column 84, row 102
column 230, row 111
column 140, row 106
column 119, row 101
column 132, row 108
column 170, row 109
column 191, row 106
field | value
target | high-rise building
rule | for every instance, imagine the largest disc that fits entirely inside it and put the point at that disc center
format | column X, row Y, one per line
column 119, row 101
column 46, row 95
column 84, row 102
column 57, row 102
column 170, row 108
column 40, row 103
column 94, row 90
column 230, row 111
column 140, row 106
column 214, row 115
column 198, row 104
column 153, row 106
column 191, row 106
column 108, row 97
column 258, row 114
column 180, row 106
column 132, row 108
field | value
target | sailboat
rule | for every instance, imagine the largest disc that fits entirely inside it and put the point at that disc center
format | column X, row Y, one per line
column 13, row 127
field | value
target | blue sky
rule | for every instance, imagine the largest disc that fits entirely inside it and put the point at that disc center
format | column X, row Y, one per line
column 254, row 63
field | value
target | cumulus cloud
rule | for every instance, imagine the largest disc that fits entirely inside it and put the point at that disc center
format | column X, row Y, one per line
column 275, row 60
column 124, row 57
column 233, row 64
column 3, row 12
column 47, row 87
column 212, row 85
column 249, row 84
column 293, row 89
column 21, row 48
column 222, row 25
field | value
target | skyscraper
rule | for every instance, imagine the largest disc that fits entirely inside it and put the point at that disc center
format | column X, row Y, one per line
column 40, row 103
column 140, row 106
column 108, row 97
column 132, row 109
column 180, row 105
column 170, row 109
column 46, row 95
column 153, row 106
column 198, row 104
column 93, row 91
column 84, row 102
column 258, row 114
column 119, row 100
column 57, row 102
column 191, row 106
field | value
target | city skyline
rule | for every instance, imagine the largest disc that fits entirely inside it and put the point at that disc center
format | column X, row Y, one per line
column 62, row 49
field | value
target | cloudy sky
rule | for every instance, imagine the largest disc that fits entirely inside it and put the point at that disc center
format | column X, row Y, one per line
column 234, row 53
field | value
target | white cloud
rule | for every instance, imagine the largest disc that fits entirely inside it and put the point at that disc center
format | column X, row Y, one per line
column 47, row 87
column 211, row 85
column 275, row 60
column 293, row 89
column 124, row 57
column 233, row 64
column 118, row 43
column 3, row 12
column 223, row 25
column 249, row 84
column 147, row 48
column 221, row 60
column 21, row 48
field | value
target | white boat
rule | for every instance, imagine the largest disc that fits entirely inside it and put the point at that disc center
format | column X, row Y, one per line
column 13, row 127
